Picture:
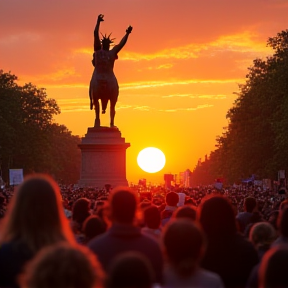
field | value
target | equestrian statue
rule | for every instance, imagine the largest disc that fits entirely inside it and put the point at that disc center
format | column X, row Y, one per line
column 103, row 84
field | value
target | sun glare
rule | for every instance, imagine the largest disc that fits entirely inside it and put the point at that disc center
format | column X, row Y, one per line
column 151, row 160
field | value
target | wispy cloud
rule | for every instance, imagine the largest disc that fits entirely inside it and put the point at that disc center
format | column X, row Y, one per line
column 142, row 108
column 80, row 104
column 203, row 106
column 61, row 74
column 245, row 42
column 217, row 96
column 149, row 84
column 165, row 66
column 20, row 38
column 123, row 106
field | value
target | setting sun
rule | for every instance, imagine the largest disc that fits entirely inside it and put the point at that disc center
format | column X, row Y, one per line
column 151, row 160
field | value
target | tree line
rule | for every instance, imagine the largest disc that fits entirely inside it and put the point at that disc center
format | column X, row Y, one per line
column 256, row 138
column 29, row 137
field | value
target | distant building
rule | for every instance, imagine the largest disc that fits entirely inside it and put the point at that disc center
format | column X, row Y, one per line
column 186, row 178
column 142, row 182
column 168, row 178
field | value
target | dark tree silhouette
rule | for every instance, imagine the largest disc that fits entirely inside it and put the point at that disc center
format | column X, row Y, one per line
column 29, row 139
column 256, row 138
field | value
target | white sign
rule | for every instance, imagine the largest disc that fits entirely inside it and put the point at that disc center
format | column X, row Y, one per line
column 182, row 197
column 15, row 176
column 218, row 185
column 281, row 174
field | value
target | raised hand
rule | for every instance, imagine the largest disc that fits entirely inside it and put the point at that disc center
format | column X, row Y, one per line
column 129, row 29
column 100, row 18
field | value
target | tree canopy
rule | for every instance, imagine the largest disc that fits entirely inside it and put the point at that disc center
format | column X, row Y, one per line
column 29, row 138
column 256, row 138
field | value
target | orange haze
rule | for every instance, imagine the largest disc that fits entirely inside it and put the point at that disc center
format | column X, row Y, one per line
column 177, row 72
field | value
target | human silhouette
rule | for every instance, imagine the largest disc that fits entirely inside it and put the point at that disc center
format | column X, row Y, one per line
column 103, row 84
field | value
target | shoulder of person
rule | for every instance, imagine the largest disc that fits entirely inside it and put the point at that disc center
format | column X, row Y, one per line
column 166, row 214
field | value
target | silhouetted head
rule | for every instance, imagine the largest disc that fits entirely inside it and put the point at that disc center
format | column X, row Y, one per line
column 217, row 217
column 81, row 210
column 123, row 204
column 106, row 42
column 93, row 226
column 283, row 222
column 152, row 217
column 130, row 270
column 184, row 245
column 283, row 205
column 273, row 268
column 36, row 215
column 187, row 211
column 250, row 204
column 63, row 266
column 172, row 199
column 144, row 204
column 2, row 200
column 262, row 234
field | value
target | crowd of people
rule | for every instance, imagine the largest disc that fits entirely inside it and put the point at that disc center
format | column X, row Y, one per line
column 58, row 236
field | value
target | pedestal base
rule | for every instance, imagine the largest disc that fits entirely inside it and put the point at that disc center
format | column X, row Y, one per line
column 103, row 158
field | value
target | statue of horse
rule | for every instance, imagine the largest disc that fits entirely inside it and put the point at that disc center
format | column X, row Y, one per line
column 103, row 84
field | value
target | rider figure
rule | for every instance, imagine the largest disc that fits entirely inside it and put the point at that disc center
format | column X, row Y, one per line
column 104, row 85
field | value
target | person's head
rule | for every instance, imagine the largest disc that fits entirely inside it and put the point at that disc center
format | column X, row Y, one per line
column 63, row 266
column 123, row 204
column 262, row 234
column 283, row 222
column 2, row 200
column 130, row 270
column 144, row 204
column 273, row 217
column 152, row 217
column 36, row 215
column 250, row 204
column 184, row 245
column 106, row 42
column 187, row 211
column 283, row 205
column 273, row 268
column 81, row 210
column 172, row 199
column 93, row 226
column 217, row 217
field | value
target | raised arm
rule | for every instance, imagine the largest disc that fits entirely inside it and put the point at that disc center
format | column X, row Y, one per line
column 118, row 47
column 97, row 43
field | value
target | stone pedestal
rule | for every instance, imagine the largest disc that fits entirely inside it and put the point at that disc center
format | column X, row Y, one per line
column 103, row 158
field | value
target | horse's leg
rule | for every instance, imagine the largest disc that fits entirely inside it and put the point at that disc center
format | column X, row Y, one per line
column 97, row 113
column 104, row 102
column 90, row 96
column 112, row 112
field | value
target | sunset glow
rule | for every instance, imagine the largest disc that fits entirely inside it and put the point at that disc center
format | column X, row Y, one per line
column 151, row 160
column 177, row 74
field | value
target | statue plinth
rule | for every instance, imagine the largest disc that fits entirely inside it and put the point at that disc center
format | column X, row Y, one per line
column 103, row 158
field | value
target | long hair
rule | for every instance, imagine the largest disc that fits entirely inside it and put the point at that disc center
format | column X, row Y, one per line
column 36, row 215
column 273, row 268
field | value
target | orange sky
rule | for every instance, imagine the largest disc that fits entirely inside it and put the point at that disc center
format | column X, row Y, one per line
column 177, row 72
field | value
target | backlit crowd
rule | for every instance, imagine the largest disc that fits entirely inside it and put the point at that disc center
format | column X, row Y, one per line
column 57, row 236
